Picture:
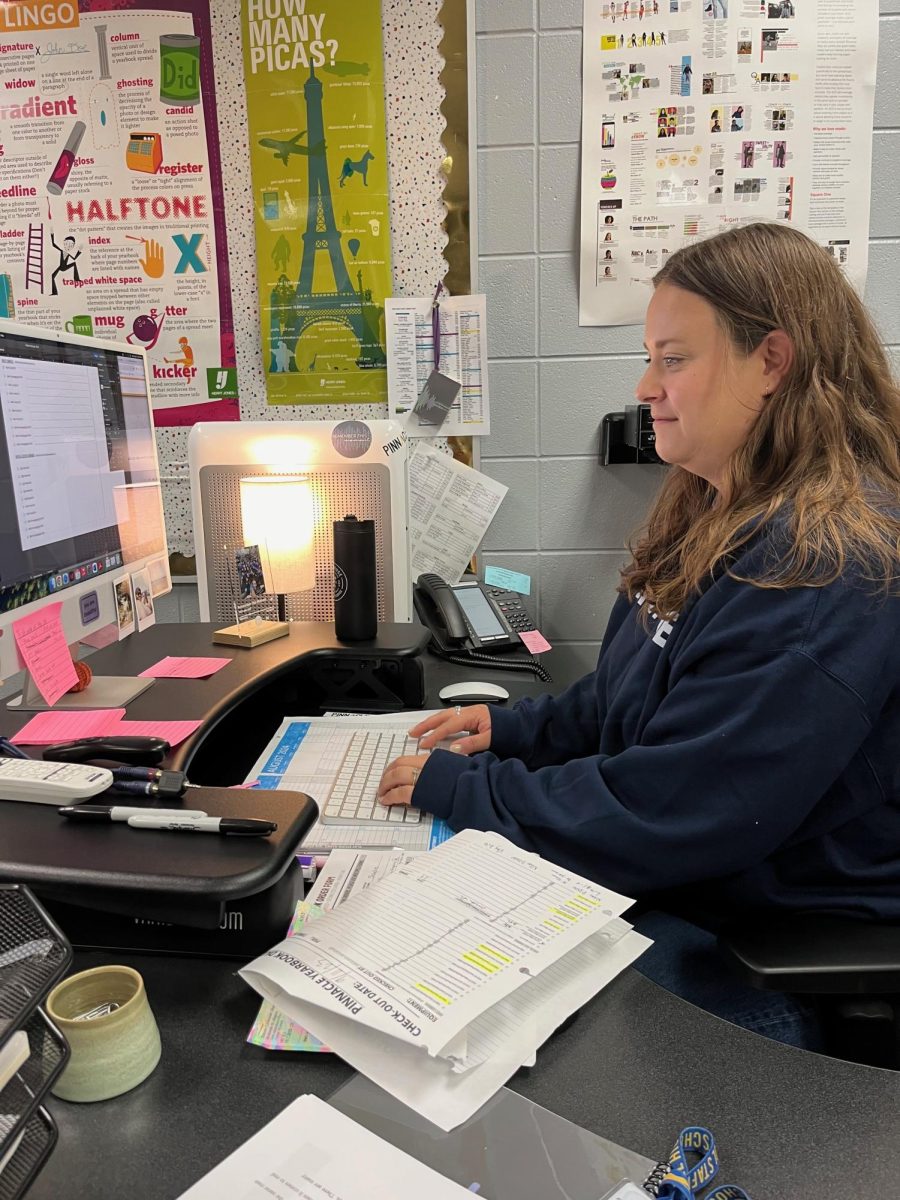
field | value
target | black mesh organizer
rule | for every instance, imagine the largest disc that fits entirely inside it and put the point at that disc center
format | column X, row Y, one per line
column 34, row 954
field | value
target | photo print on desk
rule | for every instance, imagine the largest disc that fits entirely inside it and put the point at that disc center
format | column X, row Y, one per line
column 143, row 598
column 125, row 618
column 248, row 563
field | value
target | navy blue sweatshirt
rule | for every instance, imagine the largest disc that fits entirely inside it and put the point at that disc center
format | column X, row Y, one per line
column 745, row 756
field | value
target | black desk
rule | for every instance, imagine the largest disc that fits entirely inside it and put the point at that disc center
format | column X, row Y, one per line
column 636, row 1065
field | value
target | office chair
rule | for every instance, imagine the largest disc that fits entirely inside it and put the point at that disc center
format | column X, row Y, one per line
column 849, row 968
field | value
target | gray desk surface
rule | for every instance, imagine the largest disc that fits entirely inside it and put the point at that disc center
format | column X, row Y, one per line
column 636, row 1065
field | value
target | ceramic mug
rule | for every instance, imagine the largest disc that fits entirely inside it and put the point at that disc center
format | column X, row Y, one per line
column 106, row 1018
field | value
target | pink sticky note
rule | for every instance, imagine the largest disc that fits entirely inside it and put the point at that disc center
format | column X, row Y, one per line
column 535, row 641
column 45, row 652
column 173, row 731
column 48, row 727
column 175, row 667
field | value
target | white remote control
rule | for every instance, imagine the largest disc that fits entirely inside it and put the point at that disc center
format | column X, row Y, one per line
column 41, row 782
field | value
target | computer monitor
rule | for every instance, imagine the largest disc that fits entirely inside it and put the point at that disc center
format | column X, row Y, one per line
column 80, row 501
column 357, row 467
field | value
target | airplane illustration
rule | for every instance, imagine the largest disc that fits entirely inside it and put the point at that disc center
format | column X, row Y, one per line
column 284, row 150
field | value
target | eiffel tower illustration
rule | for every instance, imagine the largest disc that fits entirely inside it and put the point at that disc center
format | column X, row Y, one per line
column 295, row 309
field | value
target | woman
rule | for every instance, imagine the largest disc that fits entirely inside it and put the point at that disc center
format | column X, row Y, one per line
column 736, row 748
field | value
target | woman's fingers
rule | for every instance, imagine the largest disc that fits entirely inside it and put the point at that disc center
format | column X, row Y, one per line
column 449, row 728
column 430, row 722
column 399, row 779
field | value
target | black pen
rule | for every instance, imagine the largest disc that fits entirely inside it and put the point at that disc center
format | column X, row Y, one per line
column 242, row 826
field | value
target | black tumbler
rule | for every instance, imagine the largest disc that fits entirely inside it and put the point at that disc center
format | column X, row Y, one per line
column 355, row 597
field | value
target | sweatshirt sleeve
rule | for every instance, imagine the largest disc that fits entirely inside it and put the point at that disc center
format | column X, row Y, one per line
column 548, row 729
column 735, row 757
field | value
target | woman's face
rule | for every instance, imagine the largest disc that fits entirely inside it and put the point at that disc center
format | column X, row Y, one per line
column 704, row 396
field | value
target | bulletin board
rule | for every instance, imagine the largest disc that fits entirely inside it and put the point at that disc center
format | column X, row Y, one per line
column 414, row 94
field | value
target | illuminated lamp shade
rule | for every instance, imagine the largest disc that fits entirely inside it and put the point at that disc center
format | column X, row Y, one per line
column 278, row 514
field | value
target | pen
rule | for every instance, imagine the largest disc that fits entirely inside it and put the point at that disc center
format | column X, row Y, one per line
column 122, row 812
column 245, row 827
column 436, row 324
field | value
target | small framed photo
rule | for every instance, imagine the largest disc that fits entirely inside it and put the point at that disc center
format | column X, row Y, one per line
column 248, row 563
column 124, row 606
column 160, row 580
column 143, row 598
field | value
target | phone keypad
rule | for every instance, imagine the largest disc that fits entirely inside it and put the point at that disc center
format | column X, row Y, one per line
column 513, row 610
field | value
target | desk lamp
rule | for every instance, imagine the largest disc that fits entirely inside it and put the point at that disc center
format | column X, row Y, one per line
column 278, row 515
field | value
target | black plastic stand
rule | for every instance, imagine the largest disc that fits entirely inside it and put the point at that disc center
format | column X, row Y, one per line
column 240, row 928
column 381, row 675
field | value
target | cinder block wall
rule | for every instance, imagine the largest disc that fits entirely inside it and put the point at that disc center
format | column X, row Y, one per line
column 565, row 519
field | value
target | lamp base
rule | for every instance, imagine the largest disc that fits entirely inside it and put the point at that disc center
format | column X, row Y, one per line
column 251, row 633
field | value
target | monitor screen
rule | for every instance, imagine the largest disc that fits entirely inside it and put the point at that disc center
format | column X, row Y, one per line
column 79, row 482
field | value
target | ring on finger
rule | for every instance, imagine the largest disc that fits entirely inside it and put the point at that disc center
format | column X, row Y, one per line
column 457, row 708
column 415, row 775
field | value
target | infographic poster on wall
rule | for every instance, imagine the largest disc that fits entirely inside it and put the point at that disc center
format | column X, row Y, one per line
column 703, row 114
column 315, row 109
column 110, row 184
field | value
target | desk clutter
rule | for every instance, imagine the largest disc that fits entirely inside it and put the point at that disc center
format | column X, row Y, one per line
column 446, row 975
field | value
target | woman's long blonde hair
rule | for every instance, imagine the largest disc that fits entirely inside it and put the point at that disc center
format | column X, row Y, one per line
column 823, row 456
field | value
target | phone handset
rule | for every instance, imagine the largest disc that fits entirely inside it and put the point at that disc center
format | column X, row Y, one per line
column 440, row 609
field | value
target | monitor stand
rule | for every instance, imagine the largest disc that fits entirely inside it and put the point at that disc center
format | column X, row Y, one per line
column 104, row 691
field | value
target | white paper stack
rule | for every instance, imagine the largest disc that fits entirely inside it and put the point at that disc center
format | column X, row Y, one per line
column 312, row 1151
column 445, row 977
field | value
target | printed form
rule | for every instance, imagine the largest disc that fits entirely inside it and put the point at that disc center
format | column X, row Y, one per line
column 345, row 873
column 310, row 1151
column 450, row 508
column 463, row 357
column 474, row 953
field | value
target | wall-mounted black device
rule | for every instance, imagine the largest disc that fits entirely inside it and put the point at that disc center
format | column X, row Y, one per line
column 628, row 437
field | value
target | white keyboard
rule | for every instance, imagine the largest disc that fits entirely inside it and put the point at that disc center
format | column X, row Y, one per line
column 352, row 800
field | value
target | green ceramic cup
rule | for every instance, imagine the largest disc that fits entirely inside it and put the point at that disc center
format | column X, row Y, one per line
column 115, row 1048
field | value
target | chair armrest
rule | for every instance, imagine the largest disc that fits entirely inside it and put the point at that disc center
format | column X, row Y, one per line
column 814, row 953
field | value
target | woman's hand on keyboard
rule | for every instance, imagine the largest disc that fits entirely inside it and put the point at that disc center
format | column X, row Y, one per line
column 466, row 730
column 399, row 779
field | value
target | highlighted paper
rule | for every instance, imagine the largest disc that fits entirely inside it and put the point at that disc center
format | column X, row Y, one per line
column 49, row 727
column 345, row 873
column 444, row 977
column 176, row 667
column 45, row 652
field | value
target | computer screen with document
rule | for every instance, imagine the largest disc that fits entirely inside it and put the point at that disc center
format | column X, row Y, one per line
column 79, row 480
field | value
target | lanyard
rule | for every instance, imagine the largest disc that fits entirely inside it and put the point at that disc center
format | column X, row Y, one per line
column 692, row 1166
